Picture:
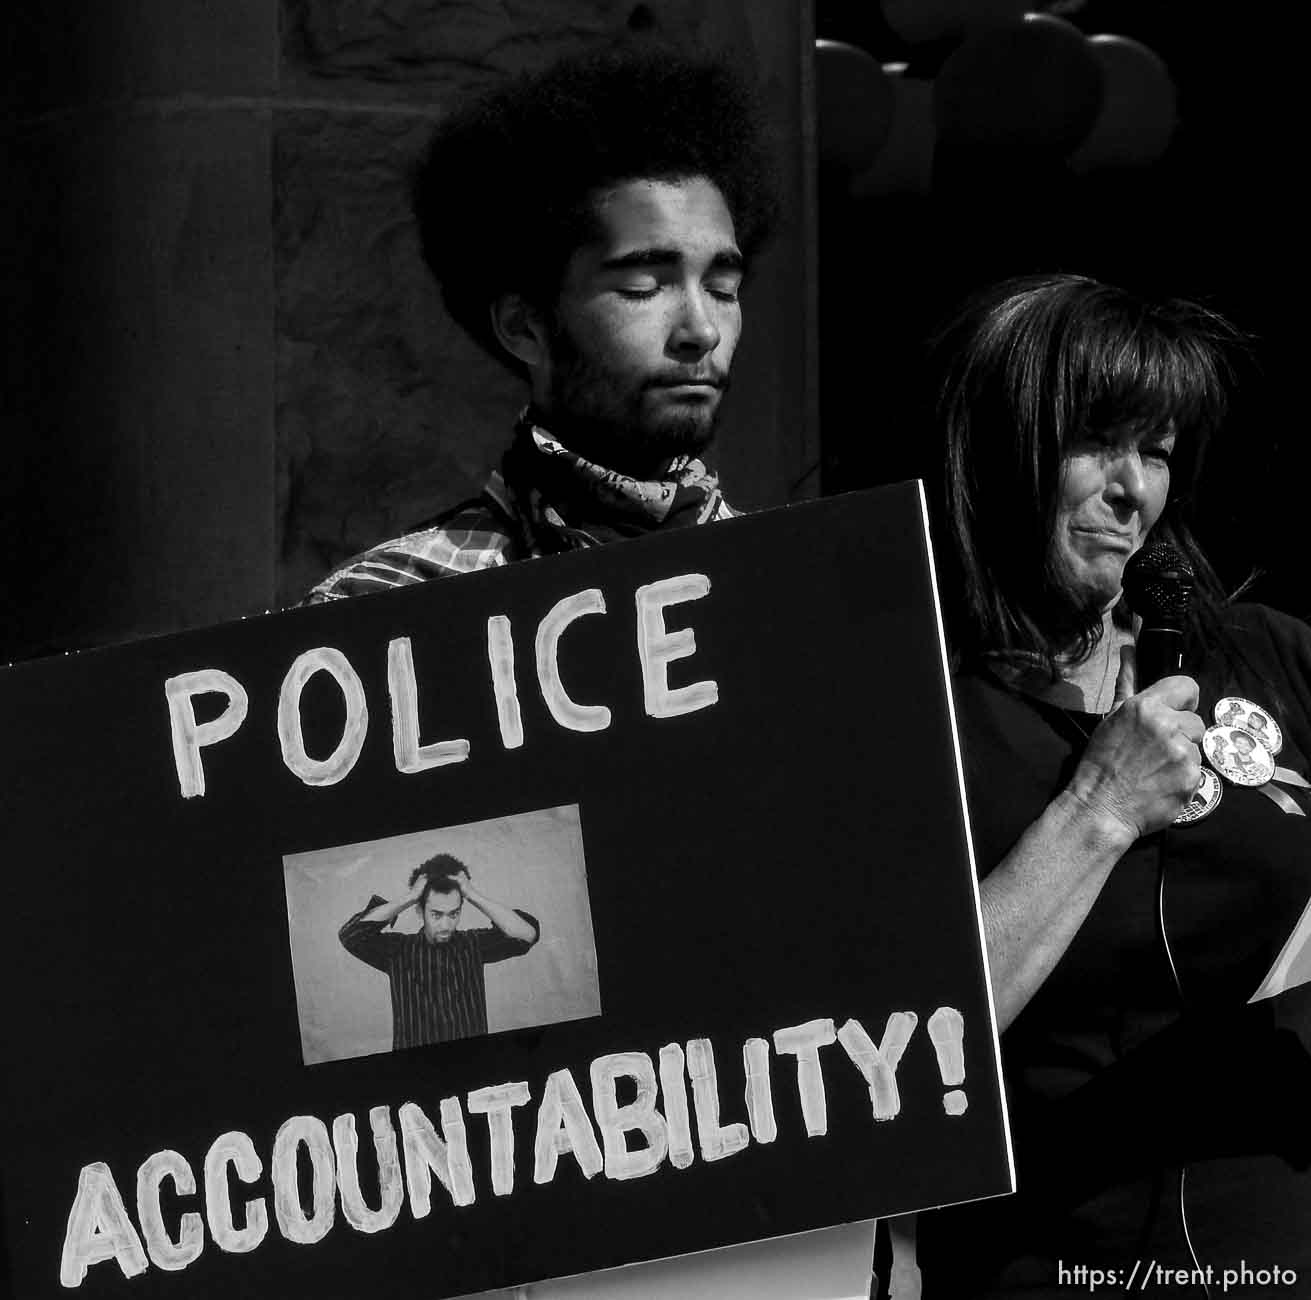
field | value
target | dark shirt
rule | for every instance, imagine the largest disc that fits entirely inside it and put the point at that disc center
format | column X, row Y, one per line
column 437, row 989
column 1113, row 1086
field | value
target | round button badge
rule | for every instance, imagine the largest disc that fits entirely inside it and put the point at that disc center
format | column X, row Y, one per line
column 1238, row 756
column 1234, row 711
column 1204, row 800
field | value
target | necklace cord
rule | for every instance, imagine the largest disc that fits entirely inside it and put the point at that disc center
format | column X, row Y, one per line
column 1161, row 858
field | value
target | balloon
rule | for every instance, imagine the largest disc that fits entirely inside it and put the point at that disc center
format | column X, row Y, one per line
column 1032, row 85
column 1139, row 107
column 919, row 21
column 853, row 105
column 905, row 163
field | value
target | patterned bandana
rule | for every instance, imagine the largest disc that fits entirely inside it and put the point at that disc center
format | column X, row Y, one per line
column 564, row 493
column 545, row 500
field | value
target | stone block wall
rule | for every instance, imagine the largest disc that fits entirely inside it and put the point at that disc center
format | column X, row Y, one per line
column 228, row 367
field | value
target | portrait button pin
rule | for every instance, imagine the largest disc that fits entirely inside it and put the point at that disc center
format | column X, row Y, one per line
column 1204, row 799
column 1234, row 711
column 1238, row 756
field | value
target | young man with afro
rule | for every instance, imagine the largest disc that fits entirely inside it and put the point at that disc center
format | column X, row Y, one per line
column 591, row 227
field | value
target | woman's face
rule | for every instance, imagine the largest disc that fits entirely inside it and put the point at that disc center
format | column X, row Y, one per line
column 1113, row 488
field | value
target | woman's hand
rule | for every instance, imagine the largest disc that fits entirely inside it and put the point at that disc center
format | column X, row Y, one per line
column 1142, row 763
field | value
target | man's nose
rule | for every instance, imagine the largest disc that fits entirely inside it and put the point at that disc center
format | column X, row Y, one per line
column 695, row 331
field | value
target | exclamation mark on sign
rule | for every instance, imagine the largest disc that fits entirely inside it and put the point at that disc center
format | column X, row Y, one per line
column 947, row 1030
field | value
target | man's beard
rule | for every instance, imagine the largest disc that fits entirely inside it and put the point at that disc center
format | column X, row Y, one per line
column 606, row 419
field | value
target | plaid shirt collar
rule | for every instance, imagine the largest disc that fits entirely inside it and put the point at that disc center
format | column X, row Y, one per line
column 543, row 500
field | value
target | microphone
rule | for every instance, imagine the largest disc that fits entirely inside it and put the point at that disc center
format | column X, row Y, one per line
column 1158, row 583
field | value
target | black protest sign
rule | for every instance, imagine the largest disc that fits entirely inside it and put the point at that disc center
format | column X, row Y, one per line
column 698, row 962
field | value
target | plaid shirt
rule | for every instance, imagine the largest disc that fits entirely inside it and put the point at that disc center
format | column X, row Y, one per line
column 497, row 527
column 477, row 534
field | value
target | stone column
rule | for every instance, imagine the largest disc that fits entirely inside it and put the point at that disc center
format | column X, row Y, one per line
column 138, row 493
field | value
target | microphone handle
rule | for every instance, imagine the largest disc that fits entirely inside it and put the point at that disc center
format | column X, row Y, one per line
column 1159, row 653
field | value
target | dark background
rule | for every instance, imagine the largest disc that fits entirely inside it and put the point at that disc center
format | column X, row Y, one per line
column 1218, row 218
column 226, row 370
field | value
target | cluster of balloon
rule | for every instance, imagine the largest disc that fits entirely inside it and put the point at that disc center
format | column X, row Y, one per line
column 1027, row 83
column 854, row 107
column 1139, row 107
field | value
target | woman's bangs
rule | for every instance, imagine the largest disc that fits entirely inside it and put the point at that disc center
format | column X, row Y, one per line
column 1149, row 383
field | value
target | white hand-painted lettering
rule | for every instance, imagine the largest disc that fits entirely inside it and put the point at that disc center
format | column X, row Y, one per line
column 190, row 736
column 566, row 711
column 330, row 770
column 500, row 655
column 496, row 1103
column 673, row 1090
column 98, row 1229
column 760, row 1097
column 404, row 692
column 947, row 1031
column 390, row 1193
column 427, row 1154
column 563, row 1128
column 615, row 1121
column 164, row 1251
column 657, row 648
column 237, row 1150
column 294, row 1224
column 804, row 1042
column 716, row 1141
column 879, row 1064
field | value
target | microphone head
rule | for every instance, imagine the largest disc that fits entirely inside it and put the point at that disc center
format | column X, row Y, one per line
column 1158, row 584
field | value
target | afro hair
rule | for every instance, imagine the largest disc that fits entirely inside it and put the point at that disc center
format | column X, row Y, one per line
column 503, row 194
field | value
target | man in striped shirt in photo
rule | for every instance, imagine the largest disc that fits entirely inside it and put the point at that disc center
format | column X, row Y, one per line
column 438, row 992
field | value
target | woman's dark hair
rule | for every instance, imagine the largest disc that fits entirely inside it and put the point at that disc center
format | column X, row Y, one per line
column 502, row 197
column 1026, row 368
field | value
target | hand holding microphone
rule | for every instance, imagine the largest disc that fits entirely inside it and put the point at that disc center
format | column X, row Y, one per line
column 1143, row 762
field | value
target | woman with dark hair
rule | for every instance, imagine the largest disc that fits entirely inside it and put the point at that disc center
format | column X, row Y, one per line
column 1133, row 901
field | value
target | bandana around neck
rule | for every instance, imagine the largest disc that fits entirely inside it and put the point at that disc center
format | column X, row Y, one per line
column 567, row 491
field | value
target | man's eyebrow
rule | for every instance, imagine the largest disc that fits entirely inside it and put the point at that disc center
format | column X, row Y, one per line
column 728, row 259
